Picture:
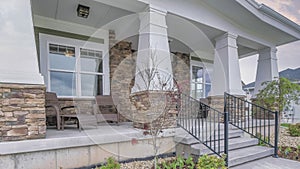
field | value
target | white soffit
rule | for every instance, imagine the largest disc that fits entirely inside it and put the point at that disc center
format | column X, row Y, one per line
column 65, row 10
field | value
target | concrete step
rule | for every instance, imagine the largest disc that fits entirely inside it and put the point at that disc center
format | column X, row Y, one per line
column 186, row 138
column 244, row 155
column 234, row 143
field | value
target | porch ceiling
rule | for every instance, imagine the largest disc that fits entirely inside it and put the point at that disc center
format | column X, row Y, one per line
column 185, row 35
column 65, row 10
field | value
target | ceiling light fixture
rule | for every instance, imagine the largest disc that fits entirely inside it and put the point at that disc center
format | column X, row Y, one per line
column 83, row 11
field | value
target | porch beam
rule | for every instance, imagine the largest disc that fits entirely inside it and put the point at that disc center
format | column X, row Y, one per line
column 226, row 75
column 267, row 67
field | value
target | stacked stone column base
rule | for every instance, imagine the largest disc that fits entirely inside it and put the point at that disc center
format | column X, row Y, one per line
column 22, row 112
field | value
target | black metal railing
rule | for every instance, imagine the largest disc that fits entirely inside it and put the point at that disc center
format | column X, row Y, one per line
column 204, row 123
column 253, row 119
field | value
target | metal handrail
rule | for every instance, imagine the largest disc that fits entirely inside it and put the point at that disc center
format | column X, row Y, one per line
column 247, row 117
column 204, row 123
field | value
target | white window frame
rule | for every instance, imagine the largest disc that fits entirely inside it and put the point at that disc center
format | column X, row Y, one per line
column 46, row 39
column 206, row 68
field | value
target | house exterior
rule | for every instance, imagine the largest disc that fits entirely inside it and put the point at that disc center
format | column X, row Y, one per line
column 80, row 49
column 196, row 43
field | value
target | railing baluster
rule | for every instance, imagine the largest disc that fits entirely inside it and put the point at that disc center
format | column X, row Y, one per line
column 276, row 134
column 269, row 128
column 248, row 108
column 226, row 137
column 256, row 120
column 214, row 130
column 265, row 125
column 219, row 140
column 252, row 113
column 238, row 112
column 203, row 124
column 199, row 121
column 206, row 130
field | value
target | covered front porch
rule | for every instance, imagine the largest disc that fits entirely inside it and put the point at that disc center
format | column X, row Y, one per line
column 82, row 57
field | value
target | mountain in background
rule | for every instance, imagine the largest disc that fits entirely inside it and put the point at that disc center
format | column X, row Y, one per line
column 291, row 74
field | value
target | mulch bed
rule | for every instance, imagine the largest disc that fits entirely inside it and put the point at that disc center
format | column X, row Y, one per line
column 290, row 153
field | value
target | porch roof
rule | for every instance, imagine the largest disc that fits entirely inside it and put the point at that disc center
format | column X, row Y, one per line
column 256, row 25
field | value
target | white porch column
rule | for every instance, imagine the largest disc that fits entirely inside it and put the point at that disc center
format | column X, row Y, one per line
column 153, row 52
column 226, row 73
column 267, row 68
column 18, row 58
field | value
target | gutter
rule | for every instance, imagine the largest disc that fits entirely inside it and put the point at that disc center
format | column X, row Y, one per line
column 270, row 12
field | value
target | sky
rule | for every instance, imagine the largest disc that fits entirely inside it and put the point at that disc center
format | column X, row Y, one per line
column 288, row 55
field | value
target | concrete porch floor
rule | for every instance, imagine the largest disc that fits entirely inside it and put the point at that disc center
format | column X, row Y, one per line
column 102, row 129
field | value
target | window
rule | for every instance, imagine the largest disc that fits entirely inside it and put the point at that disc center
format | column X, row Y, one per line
column 200, row 81
column 91, row 66
column 74, row 69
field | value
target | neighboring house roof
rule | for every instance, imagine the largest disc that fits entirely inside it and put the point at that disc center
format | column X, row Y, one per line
column 291, row 74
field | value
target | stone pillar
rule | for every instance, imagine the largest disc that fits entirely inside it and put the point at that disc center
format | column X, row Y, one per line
column 267, row 68
column 22, row 89
column 22, row 112
column 19, row 62
column 153, row 52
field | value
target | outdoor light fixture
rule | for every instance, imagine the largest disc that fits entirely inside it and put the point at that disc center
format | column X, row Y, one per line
column 83, row 11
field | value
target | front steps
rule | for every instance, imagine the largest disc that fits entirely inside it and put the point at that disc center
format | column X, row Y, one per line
column 242, row 148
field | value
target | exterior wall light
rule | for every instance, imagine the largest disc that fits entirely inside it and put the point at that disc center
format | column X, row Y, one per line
column 83, row 11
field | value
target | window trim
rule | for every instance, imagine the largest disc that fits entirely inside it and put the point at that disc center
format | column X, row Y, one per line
column 205, row 67
column 46, row 40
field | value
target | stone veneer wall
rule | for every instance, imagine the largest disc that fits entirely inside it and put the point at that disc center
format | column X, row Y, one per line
column 124, row 80
column 22, row 112
column 156, row 107
column 181, row 71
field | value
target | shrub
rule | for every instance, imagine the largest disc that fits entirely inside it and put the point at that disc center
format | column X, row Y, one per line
column 285, row 125
column 209, row 162
column 111, row 164
column 179, row 162
column 294, row 130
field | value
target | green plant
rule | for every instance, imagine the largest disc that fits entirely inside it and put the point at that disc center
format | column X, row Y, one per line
column 260, row 142
column 278, row 94
column 287, row 150
column 294, row 130
column 190, row 163
column 178, row 163
column 211, row 162
column 285, row 125
column 111, row 164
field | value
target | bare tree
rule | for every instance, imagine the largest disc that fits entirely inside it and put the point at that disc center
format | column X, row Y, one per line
column 160, row 89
